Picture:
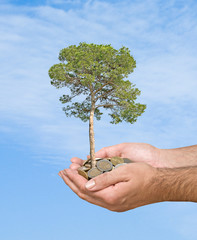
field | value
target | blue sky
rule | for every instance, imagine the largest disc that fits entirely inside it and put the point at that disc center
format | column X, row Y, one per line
column 37, row 140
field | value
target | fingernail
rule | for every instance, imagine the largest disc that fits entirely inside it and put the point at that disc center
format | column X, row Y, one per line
column 90, row 184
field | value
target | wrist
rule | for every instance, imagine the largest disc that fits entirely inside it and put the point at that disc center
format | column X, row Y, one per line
column 162, row 185
column 152, row 186
column 178, row 157
column 175, row 184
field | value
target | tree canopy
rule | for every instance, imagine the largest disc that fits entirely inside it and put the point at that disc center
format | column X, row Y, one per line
column 99, row 72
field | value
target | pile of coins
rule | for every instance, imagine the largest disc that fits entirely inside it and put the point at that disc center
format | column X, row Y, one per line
column 102, row 165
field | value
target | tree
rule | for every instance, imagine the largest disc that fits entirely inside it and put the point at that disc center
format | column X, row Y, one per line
column 98, row 72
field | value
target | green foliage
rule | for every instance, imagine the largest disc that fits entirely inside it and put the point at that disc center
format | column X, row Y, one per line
column 98, row 72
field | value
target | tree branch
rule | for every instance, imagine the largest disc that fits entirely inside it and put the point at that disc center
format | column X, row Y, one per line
column 102, row 87
column 105, row 105
column 109, row 91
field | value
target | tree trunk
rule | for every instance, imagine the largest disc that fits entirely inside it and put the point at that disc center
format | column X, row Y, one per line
column 91, row 137
column 91, row 132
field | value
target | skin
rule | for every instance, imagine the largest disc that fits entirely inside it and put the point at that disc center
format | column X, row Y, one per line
column 157, row 175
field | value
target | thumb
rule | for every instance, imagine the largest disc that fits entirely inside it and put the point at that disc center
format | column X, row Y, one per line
column 106, row 179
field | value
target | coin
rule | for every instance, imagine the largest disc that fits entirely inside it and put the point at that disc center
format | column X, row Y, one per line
column 127, row 160
column 104, row 165
column 87, row 165
column 85, row 168
column 120, row 164
column 116, row 160
column 93, row 172
column 82, row 173
column 88, row 161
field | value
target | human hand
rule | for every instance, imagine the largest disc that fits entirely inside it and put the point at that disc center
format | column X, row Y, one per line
column 122, row 189
column 137, row 152
column 138, row 184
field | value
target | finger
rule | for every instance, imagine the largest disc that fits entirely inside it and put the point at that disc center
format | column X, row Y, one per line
column 85, row 196
column 74, row 166
column 60, row 173
column 76, row 190
column 77, row 179
column 80, row 182
column 108, row 179
column 77, row 160
column 111, row 151
column 68, row 182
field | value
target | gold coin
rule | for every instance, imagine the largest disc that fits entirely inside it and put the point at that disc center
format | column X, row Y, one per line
column 82, row 173
column 104, row 165
column 116, row 160
column 93, row 172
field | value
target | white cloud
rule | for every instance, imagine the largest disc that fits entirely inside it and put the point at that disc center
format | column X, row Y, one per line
column 162, row 37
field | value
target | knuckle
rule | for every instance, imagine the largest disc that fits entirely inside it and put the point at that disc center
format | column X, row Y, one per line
column 109, row 176
column 102, row 179
column 81, row 188
column 122, row 201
